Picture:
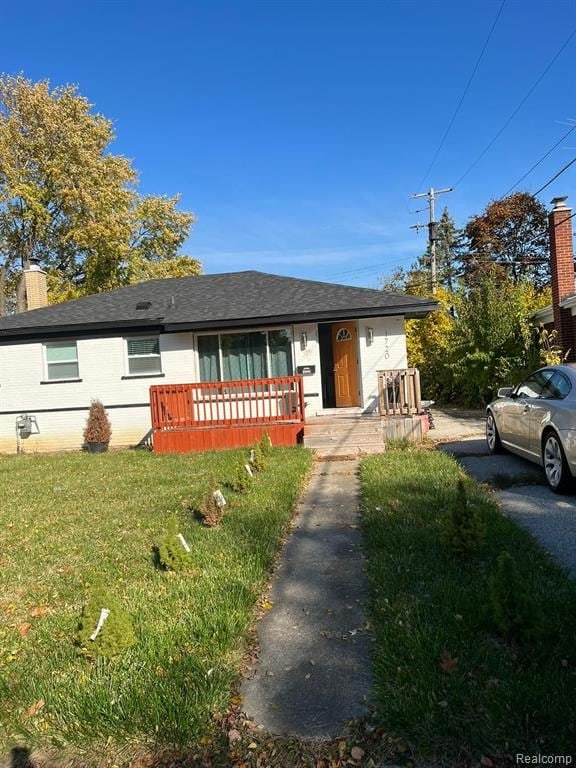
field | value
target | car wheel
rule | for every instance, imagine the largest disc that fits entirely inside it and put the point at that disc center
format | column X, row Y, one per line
column 492, row 435
column 556, row 468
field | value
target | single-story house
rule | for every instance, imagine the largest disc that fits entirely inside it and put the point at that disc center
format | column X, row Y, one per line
column 320, row 343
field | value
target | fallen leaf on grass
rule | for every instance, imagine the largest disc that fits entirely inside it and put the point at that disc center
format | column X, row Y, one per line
column 486, row 761
column 35, row 708
column 356, row 753
column 234, row 735
column 40, row 610
column 268, row 605
column 23, row 629
column 253, row 745
column 447, row 662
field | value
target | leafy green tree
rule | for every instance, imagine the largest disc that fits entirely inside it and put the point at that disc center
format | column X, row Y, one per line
column 67, row 201
column 480, row 339
column 513, row 233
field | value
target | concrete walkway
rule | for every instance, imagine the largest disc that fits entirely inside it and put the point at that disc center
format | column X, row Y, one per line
column 315, row 668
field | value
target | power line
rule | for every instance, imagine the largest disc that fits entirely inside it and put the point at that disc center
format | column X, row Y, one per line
column 482, row 260
column 369, row 267
column 518, row 108
column 560, row 172
column 545, row 232
column 466, row 89
column 528, row 172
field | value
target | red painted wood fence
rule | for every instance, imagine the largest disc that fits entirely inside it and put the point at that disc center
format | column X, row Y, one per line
column 226, row 414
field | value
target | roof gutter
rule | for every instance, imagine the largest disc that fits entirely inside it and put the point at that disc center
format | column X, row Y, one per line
column 77, row 330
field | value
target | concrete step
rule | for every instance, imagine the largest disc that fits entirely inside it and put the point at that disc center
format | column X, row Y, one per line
column 317, row 441
column 332, row 454
column 345, row 428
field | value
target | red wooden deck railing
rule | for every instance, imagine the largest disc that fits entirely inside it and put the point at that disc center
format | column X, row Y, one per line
column 226, row 414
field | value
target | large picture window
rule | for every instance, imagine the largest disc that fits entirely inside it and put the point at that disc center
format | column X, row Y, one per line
column 61, row 360
column 248, row 355
column 144, row 356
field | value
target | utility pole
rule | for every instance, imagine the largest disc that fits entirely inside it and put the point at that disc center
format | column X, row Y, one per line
column 432, row 229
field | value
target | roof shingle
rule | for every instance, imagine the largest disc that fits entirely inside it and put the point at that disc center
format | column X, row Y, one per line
column 213, row 301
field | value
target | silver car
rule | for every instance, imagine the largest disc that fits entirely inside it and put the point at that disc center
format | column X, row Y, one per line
column 537, row 420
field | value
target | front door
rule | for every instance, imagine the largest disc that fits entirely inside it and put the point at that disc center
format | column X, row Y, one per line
column 345, row 350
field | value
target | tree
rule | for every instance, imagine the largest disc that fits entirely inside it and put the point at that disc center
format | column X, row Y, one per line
column 417, row 279
column 513, row 233
column 67, row 201
column 482, row 338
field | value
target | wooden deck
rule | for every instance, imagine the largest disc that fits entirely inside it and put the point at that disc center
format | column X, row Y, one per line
column 226, row 414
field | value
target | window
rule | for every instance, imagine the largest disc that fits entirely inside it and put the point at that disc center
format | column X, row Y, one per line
column 208, row 351
column 248, row 355
column 144, row 356
column 243, row 356
column 61, row 360
column 534, row 385
column 343, row 335
column 558, row 387
column 280, row 350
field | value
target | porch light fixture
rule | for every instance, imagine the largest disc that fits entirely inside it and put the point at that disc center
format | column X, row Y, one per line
column 369, row 336
column 303, row 340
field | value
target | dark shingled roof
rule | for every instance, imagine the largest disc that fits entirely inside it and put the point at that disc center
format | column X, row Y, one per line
column 210, row 301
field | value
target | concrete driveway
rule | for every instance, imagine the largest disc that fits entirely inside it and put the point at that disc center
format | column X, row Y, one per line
column 519, row 485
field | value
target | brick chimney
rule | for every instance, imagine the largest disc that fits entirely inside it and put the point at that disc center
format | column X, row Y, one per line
column 562, row 273
column 32, row 290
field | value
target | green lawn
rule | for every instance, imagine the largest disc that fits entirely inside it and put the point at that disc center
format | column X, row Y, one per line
column 69, row 521
column 429, row 609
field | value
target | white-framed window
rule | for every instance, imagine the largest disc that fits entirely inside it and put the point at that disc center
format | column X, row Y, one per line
column 245, row 355
column 143, row 354
column 61, row 360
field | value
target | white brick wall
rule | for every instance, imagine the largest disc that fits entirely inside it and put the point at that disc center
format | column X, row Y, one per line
column 309, row 356
column 102, row 364
column 388, row 350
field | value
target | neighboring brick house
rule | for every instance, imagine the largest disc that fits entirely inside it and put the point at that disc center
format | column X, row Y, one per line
column 561, row 314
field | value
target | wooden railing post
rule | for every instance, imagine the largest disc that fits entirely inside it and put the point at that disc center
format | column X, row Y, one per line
column 399, row 392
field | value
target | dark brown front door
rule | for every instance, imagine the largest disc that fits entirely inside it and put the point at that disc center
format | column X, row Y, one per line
column 345, row 349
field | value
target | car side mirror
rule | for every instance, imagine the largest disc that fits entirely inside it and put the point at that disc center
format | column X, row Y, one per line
column 505, row 391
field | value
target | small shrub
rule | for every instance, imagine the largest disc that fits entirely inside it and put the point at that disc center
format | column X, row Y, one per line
column 117, row 633
column 242, row 481
column 464, row 529
column 260, row 459
column 171, row 552
column 512, row 608
column 98, row 428
column 265, row 444
column 210, row 512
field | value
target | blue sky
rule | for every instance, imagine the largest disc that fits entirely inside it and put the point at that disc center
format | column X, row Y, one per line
column 297, row 131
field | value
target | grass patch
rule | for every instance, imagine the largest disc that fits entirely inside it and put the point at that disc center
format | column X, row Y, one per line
column 445, row 680
column 69, row 522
